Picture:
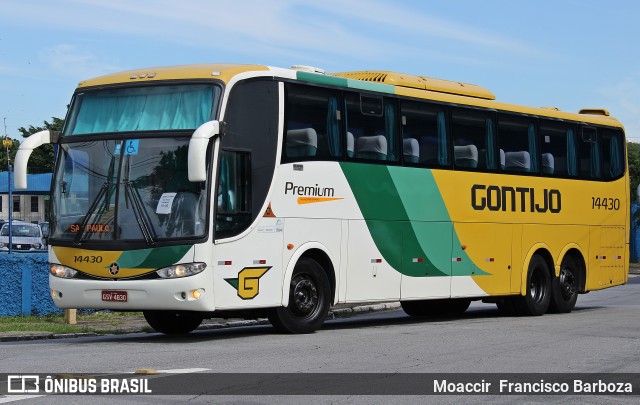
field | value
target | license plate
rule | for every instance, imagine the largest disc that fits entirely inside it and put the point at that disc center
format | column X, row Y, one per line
column 117, row 296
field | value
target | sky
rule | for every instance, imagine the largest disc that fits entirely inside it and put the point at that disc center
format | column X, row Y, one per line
column 569, row 54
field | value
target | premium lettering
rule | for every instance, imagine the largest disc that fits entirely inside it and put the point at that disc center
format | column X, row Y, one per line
column 308, row 191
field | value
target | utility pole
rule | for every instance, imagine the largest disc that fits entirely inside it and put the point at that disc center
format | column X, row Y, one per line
column 7, row 144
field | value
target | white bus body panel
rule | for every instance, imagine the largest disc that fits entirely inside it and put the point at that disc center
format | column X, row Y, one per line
column 157, row 294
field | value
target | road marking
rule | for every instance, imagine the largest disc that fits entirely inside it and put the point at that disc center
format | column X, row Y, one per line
column 184, row 370
column 13, row 398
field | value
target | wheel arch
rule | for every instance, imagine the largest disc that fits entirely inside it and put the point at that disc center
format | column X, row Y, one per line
column 320, row 254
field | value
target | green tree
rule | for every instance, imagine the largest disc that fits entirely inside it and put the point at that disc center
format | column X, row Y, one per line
column 633, row 156
column 42, row 160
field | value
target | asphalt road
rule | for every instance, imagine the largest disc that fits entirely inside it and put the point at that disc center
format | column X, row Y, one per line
column 600, row 336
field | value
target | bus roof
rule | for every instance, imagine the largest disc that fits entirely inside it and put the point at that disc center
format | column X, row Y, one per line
column 220, row 71
column 381, row 81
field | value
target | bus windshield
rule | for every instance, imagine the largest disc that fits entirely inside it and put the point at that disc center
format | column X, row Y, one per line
column 126, row 189
column 152, row 108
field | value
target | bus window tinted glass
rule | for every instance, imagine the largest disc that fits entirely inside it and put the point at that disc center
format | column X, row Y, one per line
column 590, row 164
column 559, row 149
column 424, row 134
column 313, row 126
column 374, row 137
column 474, row 140
column 517, row 141
column 612, row 143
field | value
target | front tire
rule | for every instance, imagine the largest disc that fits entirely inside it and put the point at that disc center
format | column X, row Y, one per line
column 564, row 289
column 173, row 322
column 538, row 295
column 309, row 300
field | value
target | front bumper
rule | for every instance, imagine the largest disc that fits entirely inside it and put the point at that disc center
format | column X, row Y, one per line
column 157, row 294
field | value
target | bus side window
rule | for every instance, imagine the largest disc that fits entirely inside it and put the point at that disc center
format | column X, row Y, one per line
column 558, row 147
column 312, row 124
column 424, row 134
column 233, row 193
column 371, row 120
column 590, row 164
column 612, row 142
column 517, row 137
column 474, row 140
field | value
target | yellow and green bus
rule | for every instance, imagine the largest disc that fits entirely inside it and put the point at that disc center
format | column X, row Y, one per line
column 245, row 190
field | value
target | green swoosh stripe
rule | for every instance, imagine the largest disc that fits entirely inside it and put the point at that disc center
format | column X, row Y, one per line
column 407, row 218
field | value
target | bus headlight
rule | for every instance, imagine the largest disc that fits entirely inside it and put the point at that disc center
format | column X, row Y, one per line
column 181, row 270
column 61, row 271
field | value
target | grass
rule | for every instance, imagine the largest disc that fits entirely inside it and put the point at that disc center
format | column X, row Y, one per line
column 98, row 322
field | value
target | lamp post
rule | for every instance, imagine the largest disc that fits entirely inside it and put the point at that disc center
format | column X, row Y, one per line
column 6, row 142
column 10, row 207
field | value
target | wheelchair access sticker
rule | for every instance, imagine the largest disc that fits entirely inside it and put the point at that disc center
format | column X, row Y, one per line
column 130, row 147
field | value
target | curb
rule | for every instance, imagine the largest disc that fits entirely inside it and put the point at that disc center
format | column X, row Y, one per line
column 333, row 314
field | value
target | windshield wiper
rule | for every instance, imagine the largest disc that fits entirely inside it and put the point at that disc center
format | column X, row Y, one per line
column 94, row 204
column 140, row 213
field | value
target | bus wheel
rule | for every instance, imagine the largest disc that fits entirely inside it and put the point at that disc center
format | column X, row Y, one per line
column 538, row 295
column 564, row 290
column 173, row 322
column 309, row 299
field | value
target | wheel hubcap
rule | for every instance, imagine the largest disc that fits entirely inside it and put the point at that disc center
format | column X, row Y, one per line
column 567, row 284
column 536, row 286
column 305, row 296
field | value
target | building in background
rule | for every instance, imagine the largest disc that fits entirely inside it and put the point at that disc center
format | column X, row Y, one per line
column 30, row 205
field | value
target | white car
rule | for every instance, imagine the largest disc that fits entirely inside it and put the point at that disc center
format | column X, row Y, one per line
column 25, row 236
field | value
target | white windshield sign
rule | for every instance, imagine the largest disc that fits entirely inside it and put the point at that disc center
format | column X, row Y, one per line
column 165, row 203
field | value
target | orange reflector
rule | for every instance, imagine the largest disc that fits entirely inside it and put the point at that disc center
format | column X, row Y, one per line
column 290, row 246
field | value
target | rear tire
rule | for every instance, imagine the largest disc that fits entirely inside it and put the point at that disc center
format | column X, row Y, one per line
column 173, row 322
column 564, row 288
column 538, row 295
column 309, row 300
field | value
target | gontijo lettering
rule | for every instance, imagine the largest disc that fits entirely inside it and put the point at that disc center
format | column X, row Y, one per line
column 515, row 199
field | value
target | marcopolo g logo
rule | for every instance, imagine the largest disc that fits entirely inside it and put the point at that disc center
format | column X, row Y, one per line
column 248, row 282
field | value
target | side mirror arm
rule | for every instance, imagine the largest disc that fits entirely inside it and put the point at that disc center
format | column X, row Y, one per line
column 198, row 149
column 24, row 152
